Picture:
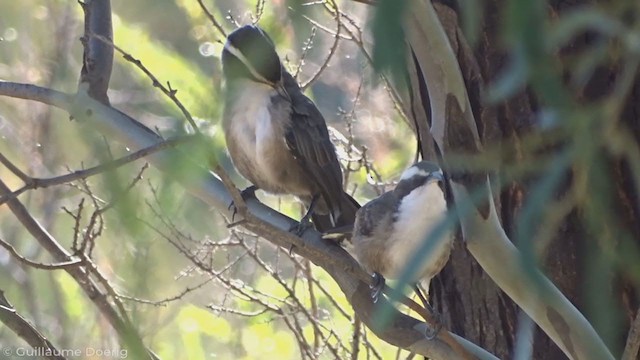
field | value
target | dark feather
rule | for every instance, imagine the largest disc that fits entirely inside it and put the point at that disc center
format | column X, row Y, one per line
column 308, row 140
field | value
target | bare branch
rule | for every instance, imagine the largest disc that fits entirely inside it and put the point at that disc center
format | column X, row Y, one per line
column 14, row 169
column 366, row 2
column 19, row 325
column 36, row 93
column 259, row 10
column 332, row 51
column 168, row 91
column 97, row 59
column 633, row 340
column 165, row 301
column 213, row 20
column 405, row 331
column 122, row 325
column 305, row 50
column 36, row 183
column 355, row 340
column 37, row 265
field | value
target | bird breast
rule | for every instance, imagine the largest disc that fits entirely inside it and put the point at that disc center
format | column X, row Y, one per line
column 419, row 213
column 254, row 123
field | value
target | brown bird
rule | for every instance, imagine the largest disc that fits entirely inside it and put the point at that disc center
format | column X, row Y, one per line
column 276, row 136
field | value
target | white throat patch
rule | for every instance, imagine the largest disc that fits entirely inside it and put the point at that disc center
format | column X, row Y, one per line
column 418, row 214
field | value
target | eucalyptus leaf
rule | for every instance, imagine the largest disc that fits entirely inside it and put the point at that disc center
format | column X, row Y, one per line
column 580, row 20
column 389, row 49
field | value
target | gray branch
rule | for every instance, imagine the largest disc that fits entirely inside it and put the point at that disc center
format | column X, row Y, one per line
column 120, row 322
column 97, row 59
column 405, row 332
column 21, row 327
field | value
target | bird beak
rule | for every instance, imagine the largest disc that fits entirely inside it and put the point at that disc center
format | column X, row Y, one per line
column 282, row 91
column 437, row 175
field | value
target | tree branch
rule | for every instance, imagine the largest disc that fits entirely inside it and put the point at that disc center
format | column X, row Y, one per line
column 633, row 340
column 405, row 331
column 36, row 183
column 97, row 59
column 37, row 265
column 168, row 91
column 19, row 325
column 213, row 20
column 120, row 322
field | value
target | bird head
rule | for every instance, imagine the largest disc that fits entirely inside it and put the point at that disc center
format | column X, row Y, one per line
column 249, row 53
column 423, row 173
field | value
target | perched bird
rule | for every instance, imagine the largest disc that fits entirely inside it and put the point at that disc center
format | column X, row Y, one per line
column 389, row 229
column 276, row 137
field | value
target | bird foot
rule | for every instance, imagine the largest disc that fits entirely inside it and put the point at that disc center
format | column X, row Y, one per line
column 432, row 330
column 301, row 227
column 377, row 286
column 246, row 194
column 299, row 230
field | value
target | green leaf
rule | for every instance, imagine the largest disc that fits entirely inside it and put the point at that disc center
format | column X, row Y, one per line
column 580, row 20
column 472, row 18
column 389, row 46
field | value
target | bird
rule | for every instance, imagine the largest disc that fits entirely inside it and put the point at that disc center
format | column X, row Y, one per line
column 276, row 136
column 390, row 228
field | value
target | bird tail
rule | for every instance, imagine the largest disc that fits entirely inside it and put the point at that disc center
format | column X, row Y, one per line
column 341, row 217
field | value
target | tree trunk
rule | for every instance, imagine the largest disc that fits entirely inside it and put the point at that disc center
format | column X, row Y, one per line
column 470, row 302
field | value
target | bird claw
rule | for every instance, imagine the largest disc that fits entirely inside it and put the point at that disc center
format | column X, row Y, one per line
column 246, row 194
column 430, row 332
column 300, row 227
column 299, row 230
column 376, row 286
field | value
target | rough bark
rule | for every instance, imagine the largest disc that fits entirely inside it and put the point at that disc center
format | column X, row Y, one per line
column 471, row 303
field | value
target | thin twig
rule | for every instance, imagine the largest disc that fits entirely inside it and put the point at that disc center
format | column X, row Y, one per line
column 35, row 183
column 259, row 10
column 55, row 266
column 366, row 2
column 14, row 169
column 355, row 339
column 213, row 20
column 168, row 91
column 305, row 50
column 633, row 340
column 333, row 49
column 125, row 330
column 21, row 327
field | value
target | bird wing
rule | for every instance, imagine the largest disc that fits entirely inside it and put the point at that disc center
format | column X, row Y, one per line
column 376, row 216
column 308, row 139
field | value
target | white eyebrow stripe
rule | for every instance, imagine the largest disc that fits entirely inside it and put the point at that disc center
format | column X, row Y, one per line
column 235, row 52
column 411, row 172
